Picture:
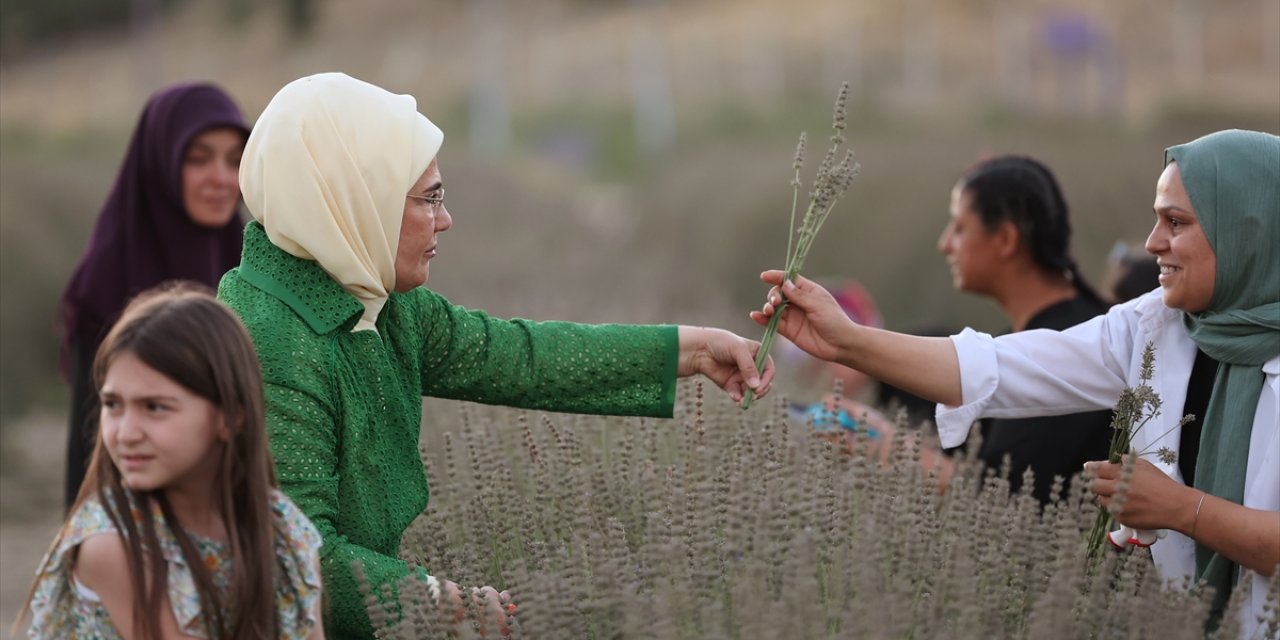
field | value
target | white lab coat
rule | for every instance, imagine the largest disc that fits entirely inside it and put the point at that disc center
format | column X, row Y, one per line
column 1084, row 368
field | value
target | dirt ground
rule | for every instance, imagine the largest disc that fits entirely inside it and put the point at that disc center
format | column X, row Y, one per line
column 32, row 454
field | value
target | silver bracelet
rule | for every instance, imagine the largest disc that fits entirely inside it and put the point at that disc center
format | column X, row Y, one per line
column 1196, row 520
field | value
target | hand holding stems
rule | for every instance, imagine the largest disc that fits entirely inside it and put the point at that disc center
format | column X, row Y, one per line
column 815, row 322
column 726, row 358
column 493, row 606
column 1134, row 410
column 1156, row 501
column 925, row 366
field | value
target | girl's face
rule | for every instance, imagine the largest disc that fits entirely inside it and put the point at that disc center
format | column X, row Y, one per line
column 971, row 250
column 424, row 218
column 1188, row 265
column 159, row 434
column 211, row 177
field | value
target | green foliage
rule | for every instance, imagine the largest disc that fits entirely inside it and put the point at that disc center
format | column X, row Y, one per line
column 25, row 24
column 300, row 16
column 606, row 135
column 741, row 525
column 52, row 189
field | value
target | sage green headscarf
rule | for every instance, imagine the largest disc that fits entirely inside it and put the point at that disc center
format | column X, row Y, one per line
column 1233, row 180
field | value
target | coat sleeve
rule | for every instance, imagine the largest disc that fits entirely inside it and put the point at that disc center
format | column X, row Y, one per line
column 1040, row 372
column 304, row 443
column 611, row 369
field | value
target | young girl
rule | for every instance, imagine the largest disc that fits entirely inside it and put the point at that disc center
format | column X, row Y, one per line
column 178, row 530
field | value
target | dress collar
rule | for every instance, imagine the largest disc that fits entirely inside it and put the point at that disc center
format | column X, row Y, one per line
column 301, row 284
column 1153, row 316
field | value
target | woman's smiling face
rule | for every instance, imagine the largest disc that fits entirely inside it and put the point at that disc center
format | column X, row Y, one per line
column 1188, row 265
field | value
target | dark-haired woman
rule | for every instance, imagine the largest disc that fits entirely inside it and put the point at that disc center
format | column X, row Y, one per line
column 173, row 214
column 1008, row 239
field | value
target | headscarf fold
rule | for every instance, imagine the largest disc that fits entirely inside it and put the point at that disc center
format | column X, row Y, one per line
column 326, row 172
column 1233, row 181
column 144, row 235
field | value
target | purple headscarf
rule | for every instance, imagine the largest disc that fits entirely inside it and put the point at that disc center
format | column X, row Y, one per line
column 144, row 235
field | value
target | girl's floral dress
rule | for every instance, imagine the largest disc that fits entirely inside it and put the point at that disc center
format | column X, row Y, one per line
column 63, row 608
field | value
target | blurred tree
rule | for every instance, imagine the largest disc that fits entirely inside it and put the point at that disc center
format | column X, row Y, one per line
column 1188, row 31
column 490, row 103
column 300, row 16
column 27, row 24
column 652, row 105
column 239, row 11
column 921, row 34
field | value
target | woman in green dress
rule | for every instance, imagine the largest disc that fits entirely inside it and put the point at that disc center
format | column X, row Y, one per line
column 347, row 197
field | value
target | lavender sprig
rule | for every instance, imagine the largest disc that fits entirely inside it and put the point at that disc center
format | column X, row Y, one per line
column 829, row 185
column 1136, row 407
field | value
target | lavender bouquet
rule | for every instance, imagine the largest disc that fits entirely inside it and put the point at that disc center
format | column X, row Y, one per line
column 829, row 185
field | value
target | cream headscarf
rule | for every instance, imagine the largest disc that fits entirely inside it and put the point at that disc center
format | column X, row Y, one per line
column 326, row 170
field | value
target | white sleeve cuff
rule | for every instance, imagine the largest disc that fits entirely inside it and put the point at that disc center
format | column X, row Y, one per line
column 979, row 375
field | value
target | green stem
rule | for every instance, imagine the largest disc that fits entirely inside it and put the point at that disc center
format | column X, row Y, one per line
column 1097, row 535
column 1146, row 450
column 766, row 343
column 822, row 217
column 807, row 238
column 795, row 198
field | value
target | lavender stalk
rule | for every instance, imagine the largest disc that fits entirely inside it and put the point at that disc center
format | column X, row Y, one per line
column 829, row 185
column 1136, row 407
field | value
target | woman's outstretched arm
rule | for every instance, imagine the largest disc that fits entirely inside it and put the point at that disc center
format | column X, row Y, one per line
column 610, row 369
column 927, row 367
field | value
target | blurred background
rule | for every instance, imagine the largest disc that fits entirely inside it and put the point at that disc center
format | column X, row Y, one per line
column 623, row 160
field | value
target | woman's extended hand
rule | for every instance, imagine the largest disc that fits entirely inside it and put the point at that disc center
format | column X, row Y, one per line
column 724, row 357
column 813, row 320
column 1154, row 500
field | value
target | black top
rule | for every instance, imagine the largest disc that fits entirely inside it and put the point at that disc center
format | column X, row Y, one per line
column 1053, row 445
column 1199, row 388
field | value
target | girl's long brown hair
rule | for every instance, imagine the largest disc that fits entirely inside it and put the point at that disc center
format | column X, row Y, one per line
column 185, row 334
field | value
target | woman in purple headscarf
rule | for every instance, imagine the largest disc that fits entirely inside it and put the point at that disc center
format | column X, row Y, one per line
column 173, row 214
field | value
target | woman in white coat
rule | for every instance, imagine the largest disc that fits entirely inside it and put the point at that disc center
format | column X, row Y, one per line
column 1215, row 324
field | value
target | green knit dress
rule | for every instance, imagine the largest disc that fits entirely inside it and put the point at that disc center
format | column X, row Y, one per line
column 344, row 409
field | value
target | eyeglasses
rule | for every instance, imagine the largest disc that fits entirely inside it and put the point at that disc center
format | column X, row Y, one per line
column 436, row 199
